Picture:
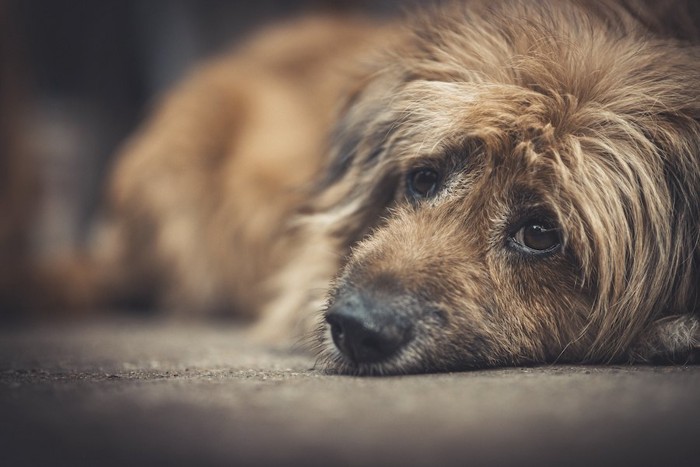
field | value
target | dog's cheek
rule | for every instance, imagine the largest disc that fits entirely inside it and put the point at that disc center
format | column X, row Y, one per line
column 543, row 309
column 465, row 337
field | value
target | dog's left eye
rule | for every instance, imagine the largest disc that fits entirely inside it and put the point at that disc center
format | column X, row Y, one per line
column 423, row 183
column 537, row 238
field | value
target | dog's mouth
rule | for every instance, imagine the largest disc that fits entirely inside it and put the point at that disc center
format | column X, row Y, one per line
column 415, row 357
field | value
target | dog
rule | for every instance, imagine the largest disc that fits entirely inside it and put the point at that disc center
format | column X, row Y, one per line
column 479, row 184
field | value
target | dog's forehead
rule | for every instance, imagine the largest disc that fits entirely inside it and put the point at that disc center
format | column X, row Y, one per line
column 434, row 116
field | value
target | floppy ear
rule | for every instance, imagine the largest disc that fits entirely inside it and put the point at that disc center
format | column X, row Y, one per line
column 343, row 144
column 678, row 137
column 357, row 185
column 359, row 181
column 674, row 333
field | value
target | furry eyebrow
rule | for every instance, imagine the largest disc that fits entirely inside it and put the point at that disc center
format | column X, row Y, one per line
column 455, row 156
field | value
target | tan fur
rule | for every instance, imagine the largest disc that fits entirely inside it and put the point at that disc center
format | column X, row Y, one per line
column 201, row 196
column 584, row 112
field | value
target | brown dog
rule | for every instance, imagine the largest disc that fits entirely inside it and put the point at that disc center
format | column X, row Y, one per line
column 506, row 182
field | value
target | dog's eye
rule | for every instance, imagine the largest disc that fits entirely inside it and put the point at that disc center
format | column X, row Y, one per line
column 537, row 237
column 423, row 183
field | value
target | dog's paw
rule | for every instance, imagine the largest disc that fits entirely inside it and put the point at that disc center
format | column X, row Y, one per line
column 673, row 339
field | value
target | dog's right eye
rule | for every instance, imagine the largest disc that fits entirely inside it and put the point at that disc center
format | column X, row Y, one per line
column 537, row 237
column 422, row 183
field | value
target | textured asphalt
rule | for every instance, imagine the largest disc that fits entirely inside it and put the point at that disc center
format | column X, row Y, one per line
column 134, row 393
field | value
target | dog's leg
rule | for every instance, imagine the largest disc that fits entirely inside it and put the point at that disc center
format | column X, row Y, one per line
column 301, row 292
column 670, row 339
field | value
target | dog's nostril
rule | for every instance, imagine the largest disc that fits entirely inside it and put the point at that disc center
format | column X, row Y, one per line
column 336, row 329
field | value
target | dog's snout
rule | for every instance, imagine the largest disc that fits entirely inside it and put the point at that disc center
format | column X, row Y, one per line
column 366, row 330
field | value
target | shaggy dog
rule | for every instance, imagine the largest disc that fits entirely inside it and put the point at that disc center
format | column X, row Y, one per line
column 495, row 183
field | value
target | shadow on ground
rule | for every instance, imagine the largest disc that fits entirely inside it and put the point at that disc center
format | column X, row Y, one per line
column 132, row 393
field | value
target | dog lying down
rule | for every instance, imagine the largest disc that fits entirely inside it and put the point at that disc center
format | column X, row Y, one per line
column 485, row 183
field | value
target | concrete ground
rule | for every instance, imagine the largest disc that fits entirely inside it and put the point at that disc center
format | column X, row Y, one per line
column 151, row 393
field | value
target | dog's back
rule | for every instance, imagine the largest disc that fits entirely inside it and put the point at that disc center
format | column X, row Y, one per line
column 198, row 200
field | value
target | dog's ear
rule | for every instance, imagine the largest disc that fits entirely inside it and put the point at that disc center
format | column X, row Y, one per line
column 683, row 178
column 359, row 181
column 677, row 136
column 360, row 134
column 660, row 208
column 344, row 143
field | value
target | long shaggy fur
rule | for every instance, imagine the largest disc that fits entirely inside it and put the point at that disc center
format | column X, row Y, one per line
column 274, row 182
column 578, row 109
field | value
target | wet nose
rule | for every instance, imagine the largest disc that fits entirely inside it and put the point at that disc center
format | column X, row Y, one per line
column 368, row 330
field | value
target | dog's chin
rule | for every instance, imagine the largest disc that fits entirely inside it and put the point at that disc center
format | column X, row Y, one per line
column 412, row 359
column 334, row 362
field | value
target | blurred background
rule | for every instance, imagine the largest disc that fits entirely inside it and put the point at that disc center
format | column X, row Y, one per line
column 76, row 77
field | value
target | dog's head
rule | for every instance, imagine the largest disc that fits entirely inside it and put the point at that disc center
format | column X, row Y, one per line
column 513, row 188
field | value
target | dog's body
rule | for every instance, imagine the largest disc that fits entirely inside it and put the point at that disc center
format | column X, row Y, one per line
column 201, row 198
column 505, row 183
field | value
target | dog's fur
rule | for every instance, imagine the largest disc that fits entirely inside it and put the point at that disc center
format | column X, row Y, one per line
column 584, row 116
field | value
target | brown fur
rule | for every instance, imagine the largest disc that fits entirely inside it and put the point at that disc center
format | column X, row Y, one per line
column 583, row 113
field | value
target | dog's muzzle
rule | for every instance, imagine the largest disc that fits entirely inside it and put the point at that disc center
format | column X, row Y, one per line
column 368, row 329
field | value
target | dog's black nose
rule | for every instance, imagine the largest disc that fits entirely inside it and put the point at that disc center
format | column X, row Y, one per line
column 366, row 330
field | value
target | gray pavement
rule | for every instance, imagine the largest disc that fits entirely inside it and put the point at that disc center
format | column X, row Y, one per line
column 152, row 393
